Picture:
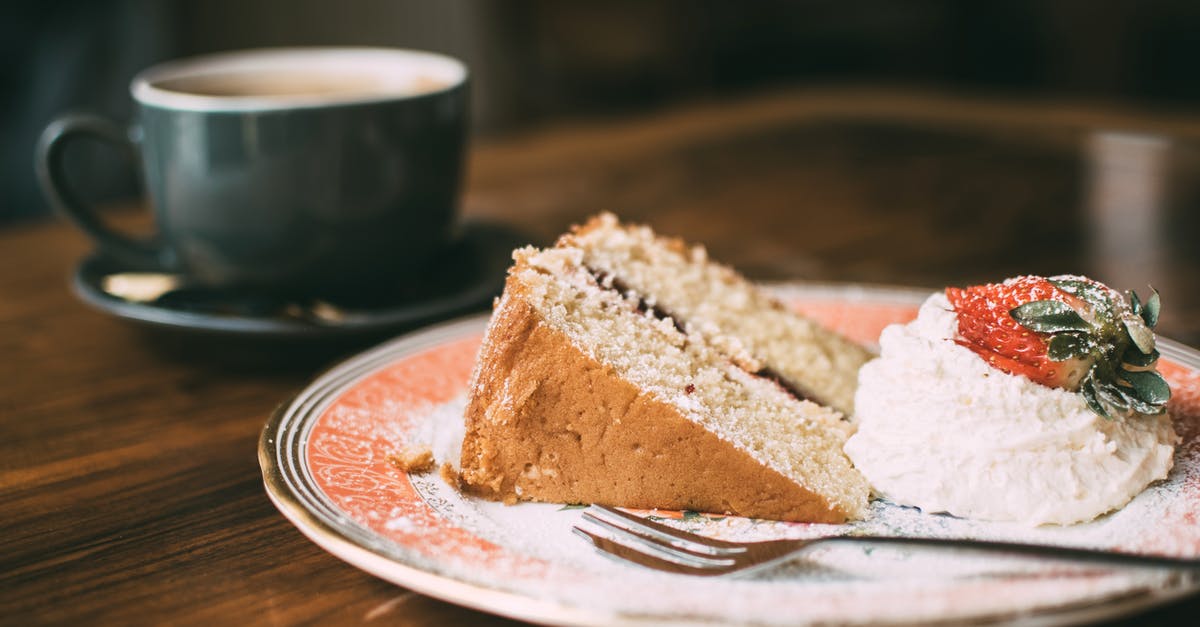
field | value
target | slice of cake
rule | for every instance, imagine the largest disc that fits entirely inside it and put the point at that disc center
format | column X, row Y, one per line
column 719, row 305
column 590, row 390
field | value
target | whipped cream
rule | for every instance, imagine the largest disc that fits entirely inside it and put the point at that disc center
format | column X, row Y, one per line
column 940, row 429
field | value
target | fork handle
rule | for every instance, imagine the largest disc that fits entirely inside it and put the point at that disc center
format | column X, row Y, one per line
column 1018, row 548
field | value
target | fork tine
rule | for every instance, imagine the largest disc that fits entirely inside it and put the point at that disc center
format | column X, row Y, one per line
column 611, row 548
column 651, row 530
column 637, row 538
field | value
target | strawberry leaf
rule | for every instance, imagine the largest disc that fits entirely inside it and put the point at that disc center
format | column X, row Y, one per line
column 1064, row 346
column 1088, row 389
column 1108, row 392
column 1149, row 386
column 1095, row 295
column 1141, row 334
column 1071, row 286
column 1048, row 316
column 1136, row 358
column 1149, row 311
column 1136, row 404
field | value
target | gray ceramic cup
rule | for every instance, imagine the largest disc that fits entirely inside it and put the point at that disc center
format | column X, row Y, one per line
column 306, row 170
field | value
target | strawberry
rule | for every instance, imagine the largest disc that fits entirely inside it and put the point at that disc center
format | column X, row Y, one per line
column 986, row 327
column 1067, row 332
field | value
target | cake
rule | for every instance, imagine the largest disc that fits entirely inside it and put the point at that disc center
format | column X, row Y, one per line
column 626, row 369
column 724, row 309
column 1033, row 400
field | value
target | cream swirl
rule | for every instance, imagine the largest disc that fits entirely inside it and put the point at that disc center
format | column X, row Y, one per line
column 940, row 429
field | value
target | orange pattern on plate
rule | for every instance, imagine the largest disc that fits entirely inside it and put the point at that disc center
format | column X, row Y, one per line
column 859, row 322
column 351, row 440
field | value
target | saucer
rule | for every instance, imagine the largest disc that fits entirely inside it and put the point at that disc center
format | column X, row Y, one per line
column 465, row 277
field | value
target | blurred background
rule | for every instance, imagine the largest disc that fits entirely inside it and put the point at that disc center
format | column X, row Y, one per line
column 537, row 61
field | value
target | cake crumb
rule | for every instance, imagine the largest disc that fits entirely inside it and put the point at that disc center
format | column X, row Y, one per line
column 450, row 475
column 413, row 460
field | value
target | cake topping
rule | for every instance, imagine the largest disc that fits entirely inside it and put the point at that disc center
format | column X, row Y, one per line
column 1067, row 332
column 978, row 442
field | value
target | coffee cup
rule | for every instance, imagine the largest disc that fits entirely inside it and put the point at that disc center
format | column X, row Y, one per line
column 301, row 170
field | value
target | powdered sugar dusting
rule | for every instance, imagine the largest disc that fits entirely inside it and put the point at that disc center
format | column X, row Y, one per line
column 528, row 550
column 440, row 429
column 830, row 583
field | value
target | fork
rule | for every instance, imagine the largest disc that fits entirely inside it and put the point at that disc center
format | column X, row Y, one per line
column 647, row 543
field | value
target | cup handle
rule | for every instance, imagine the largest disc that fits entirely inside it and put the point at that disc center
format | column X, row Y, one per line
column 52, row 176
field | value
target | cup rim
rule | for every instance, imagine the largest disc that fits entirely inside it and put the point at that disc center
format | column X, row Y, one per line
column 145, row 90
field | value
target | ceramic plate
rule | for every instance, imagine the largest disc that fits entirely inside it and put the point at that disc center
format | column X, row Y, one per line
column 325, row 461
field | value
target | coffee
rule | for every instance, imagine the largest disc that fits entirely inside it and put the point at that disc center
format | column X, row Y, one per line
column 289, row 84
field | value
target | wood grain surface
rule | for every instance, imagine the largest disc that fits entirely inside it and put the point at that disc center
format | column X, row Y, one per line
column 130, row 492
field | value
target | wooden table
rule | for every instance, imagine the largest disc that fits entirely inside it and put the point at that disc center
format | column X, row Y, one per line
column 129, row 487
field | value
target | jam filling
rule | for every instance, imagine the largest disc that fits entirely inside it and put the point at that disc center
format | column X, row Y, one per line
column 608, row 282
column 768, row 373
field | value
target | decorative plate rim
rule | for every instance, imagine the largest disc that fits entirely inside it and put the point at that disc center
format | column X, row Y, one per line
column 356, row 545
